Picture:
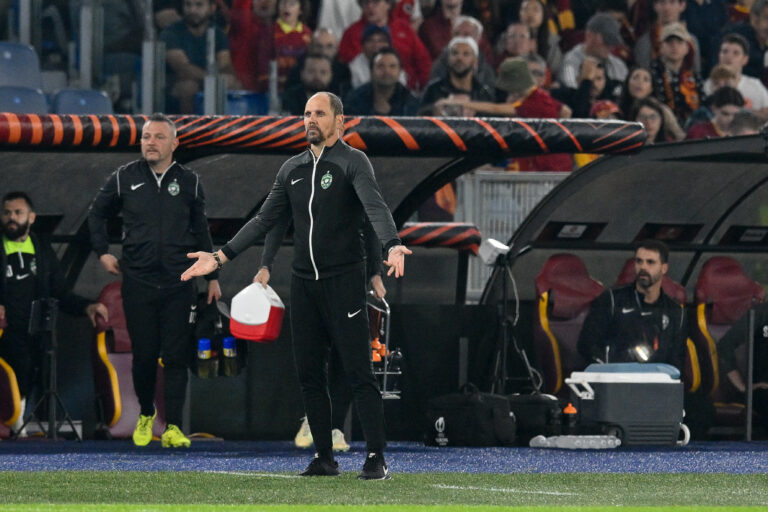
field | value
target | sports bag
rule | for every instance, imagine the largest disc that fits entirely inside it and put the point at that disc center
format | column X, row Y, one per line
column 469, row 418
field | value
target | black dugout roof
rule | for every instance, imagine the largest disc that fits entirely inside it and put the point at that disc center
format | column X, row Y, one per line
column 703, row 198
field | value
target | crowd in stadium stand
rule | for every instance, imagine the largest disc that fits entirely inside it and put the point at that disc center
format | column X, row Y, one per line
column 684, row 69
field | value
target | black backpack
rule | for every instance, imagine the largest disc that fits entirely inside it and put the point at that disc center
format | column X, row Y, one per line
column 469, row 418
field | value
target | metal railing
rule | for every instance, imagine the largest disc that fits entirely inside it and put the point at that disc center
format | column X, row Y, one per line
column 497, row 202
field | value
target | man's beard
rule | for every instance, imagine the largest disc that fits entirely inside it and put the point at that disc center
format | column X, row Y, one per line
column 14, row 231
column 645, row 280
column 461, row 73
column 317, row 137
column 194, row 22
column 314, row 87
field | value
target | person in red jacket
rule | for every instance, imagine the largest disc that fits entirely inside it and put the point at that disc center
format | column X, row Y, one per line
column 414, row 54
column 251, row 41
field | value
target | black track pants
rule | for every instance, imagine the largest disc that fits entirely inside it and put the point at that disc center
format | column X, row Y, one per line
column 158, row 324
column 332, row 312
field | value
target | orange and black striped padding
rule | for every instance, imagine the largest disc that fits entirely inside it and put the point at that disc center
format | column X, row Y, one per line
column 377, row 135
column 455, row 235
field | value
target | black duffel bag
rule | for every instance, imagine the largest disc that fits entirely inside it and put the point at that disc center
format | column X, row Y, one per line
column 469, row 418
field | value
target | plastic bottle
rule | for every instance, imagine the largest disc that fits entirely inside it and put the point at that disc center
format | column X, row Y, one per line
column 576, row 442
column 570, row 419
column 229, row 356
column 204, row 361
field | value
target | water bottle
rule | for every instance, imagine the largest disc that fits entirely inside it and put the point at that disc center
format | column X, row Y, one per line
column 570, row 419
column 229, row 359
column 204, row 360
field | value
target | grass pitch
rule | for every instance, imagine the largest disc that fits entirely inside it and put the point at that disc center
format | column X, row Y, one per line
column 278, row 492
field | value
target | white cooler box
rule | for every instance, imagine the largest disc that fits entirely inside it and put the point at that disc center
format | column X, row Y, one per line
column 641, row 404
column 256, row 314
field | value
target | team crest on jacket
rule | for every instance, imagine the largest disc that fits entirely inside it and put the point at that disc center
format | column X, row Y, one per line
column 173, row 188
column 326, row 180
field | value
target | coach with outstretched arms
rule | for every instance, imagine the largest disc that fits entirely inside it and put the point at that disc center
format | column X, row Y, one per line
column 329, row 189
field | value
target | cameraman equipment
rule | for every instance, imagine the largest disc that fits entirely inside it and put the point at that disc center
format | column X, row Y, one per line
column 42, row 324
column 495, row 253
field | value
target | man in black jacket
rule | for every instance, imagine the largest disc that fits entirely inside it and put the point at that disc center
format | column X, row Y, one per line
column 329, row 190
column 163, row 209
column 30, row 271
column 638, row 322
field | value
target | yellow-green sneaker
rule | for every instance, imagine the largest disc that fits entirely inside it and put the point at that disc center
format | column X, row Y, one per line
column 142, row 435
column 173, row 438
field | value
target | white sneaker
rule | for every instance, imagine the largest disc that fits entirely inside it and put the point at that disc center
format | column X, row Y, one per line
column 303, row 438
column 339, row 443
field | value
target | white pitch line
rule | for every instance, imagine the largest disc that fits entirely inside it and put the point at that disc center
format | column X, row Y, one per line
column 243, row 473
column 501, row 489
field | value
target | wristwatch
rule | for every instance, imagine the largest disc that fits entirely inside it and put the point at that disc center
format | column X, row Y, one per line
column 219, row 264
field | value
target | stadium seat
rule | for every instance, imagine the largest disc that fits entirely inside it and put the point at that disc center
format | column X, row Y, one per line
column 564, row 290
column 10, row 399
column 723, row 294
column 19, row 66
column 81, row 101
column 118, row 406
column 692, row 370
column 22, row 100
column 239, row 103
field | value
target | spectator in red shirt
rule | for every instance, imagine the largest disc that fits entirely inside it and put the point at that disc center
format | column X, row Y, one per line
column 292, row 38
column 725, row 103
column 437, row 30
column 251, row 42
column 526, row 99
column 415, row 57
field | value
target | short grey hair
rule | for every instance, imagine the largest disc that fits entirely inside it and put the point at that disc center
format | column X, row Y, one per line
column 159, row 117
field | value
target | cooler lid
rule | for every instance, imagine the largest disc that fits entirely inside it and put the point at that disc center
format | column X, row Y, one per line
column 627, row 378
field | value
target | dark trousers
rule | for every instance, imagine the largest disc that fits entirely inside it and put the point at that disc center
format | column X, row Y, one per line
column 332, row 312
column 22, row 352
column 158, row 324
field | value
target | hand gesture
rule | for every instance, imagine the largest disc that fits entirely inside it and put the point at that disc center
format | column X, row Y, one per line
column 396, row 260
column 204, row 265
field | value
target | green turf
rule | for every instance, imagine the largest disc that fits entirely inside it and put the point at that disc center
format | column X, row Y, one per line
column 40, row 507
column 551, row 490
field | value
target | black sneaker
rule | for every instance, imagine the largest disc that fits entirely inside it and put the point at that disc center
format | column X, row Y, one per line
column 322, row 467
column 374, row 468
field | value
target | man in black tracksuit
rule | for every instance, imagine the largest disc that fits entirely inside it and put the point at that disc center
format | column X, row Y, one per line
column 341, row 394
column 329, row 190
column 30, row 271
column 163, row 208
column 638, row 322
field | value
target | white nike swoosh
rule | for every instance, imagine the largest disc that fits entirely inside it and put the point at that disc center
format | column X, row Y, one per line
column 136, row 185
column 350, row 315
column 627, row 310
column 293, row 182
column 646, row 313
column 22, row 276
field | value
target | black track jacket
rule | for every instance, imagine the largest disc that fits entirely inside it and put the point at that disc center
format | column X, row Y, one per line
column 329, row 198
column 620, row 319
column 162, row 221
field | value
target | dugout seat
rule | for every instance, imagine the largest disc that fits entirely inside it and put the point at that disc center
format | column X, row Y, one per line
column 117, row 404
column 10, row 399
column 692, row 371
column 723, row 294
column 22, row 100
column 564, row 290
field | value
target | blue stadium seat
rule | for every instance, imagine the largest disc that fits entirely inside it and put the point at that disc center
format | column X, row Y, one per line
column 22, row 100
column 81, row 101
column 19, row 66
column 239, row 103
